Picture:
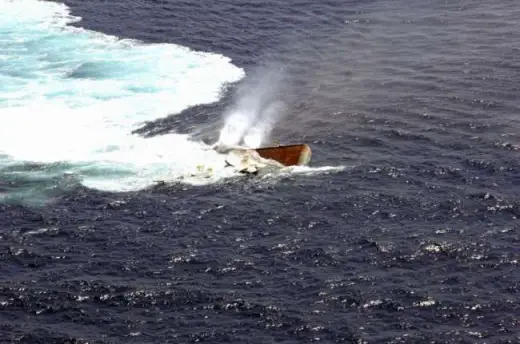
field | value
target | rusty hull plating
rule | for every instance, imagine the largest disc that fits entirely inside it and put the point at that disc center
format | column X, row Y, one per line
column 290, row 155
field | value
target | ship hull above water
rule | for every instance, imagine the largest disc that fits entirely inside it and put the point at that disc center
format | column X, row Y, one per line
column 267, row 158
column 289, row 155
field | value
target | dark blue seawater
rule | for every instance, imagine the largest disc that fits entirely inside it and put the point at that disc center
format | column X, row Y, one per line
column 417, row 240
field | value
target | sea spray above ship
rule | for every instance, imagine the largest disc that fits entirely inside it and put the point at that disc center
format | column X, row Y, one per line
column 259, row 104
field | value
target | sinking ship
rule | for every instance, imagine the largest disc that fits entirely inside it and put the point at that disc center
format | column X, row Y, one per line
column 255, row 160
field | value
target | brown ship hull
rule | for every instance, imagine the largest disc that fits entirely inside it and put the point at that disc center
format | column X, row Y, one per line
column 290, row 155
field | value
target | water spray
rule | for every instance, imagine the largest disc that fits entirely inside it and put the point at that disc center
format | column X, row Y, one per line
column 258, row 107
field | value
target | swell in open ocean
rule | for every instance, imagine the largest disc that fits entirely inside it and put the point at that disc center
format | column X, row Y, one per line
column 413, row 240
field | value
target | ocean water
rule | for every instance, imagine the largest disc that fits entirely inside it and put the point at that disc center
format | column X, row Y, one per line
column 72, row 98
column 404, row 229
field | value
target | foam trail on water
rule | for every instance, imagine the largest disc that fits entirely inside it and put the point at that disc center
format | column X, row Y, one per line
column 71, row 97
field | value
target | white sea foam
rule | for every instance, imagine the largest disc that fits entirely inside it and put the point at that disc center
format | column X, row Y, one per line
column 73, row 95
